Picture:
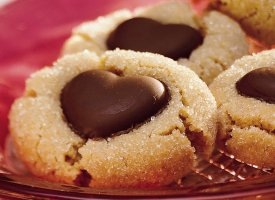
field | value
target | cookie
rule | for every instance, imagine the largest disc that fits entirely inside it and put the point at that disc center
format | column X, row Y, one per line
column 256, row 17
column 206, row 44
column 245, row 95
column 145, row 123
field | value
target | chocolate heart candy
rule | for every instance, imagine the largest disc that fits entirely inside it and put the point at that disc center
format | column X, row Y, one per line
column 259, row 84
column 99, row 103
column 146, row 35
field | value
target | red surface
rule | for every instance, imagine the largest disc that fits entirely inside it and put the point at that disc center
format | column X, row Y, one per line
column 31, row 35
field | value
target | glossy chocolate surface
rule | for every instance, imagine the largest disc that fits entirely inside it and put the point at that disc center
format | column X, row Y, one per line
column 99, row 103
column 258, row 84
column 146, row 35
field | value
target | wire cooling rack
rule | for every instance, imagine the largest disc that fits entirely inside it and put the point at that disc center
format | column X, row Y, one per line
column 221, row 168
column 221, row 177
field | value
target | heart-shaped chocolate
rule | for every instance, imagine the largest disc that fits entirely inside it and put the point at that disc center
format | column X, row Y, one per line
column 259, row 84
column 146, row 35
column 99, row 103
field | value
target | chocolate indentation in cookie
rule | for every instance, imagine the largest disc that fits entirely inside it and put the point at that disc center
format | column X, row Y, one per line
column 259, row 84
column 83, row 179
column 99, row 103
column 146, row 35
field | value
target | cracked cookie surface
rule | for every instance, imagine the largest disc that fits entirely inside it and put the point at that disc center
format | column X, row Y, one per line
column 256, row 17
column 158, row 152
column 224, row 40
column 246, row 124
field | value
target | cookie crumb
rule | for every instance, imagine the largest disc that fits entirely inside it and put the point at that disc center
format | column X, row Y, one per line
column 83, row 179
column 116, row 71
column 31, row 93
column 72, row 156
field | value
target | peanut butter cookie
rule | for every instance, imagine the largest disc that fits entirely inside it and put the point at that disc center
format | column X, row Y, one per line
column 245, row 95
column 207, row 44
column 124, row 119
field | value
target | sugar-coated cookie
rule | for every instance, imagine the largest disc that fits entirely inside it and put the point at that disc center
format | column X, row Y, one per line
column 256, row 17
column 124, row 119
column 245, row 95
column 207, row 44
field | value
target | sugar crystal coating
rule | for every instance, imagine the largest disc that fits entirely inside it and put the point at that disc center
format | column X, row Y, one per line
column 247, row 124
column 156, row 153
column 256, row 17
column 224, row 41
